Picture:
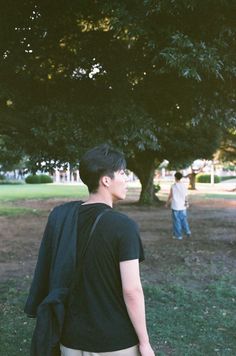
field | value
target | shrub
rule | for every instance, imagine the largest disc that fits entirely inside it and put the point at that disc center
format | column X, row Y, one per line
column 206, row 178
column 2, row 177
column 231, row 168
column 44, row 178
column 8, row 182
column 32, row 179
column 38, row 179
column 227, row 177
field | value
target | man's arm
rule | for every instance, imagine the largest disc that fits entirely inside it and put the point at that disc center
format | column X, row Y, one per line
column 186, row 203
column 134, row 300
column 169, row 198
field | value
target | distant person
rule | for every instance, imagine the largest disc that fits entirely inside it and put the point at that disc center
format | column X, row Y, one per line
column 106, row 313
column 178, row 197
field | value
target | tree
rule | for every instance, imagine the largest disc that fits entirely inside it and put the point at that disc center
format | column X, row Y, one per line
column 10, row 155
column 227, row 151
column 169, row 64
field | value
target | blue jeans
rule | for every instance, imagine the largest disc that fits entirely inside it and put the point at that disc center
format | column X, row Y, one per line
column 180, row 223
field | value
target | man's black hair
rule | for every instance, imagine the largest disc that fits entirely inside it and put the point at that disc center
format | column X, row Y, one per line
column 97, row 162
column 178, row 175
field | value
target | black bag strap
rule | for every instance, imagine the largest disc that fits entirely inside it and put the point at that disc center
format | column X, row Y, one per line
column 92, row 231
column 78, row 269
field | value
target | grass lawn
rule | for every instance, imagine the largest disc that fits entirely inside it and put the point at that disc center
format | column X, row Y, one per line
column 47, row 191
column 193, row 322
column 230, row 196
column 184, row 318
column 11, row 193
column 41, row 191
column 181, row 322
column 6, row 210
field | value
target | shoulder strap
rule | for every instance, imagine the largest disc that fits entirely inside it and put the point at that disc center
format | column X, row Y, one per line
column 78, row 269
column 92, row 231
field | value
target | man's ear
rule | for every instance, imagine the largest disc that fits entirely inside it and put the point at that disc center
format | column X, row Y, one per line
column 105, row 181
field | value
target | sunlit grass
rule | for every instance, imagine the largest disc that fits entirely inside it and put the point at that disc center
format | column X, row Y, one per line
column 41, row 191
column 47, row 191
column 230, row 196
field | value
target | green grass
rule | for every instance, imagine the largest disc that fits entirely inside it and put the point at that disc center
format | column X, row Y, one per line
column 47, row 191
column 41, row 191
column 229, row 196
column 12, row 193
column 16, row 211
column 11, row 182
column 194, row 196
column 180, row 321
column 193, row 323
column 15, row 328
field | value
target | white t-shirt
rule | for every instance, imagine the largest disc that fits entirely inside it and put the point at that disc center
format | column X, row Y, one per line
column 179, row 194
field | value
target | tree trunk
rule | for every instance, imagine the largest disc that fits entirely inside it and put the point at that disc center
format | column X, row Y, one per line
column 144, row 168
column 147, row 195
column 192, row 181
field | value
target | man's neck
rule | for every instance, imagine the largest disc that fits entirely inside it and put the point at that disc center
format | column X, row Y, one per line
column 99, row 198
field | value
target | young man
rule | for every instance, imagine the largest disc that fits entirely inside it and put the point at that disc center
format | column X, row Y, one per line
column 178, row 198
column 107, row 314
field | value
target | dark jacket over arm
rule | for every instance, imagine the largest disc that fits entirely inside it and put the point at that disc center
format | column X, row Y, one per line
column 56, row 262
column 40, row 284
column 52, row 277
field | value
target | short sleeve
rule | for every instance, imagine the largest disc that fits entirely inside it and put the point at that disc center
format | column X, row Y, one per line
column 130, row 244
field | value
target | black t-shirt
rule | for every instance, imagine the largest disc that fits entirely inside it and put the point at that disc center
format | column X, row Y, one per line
column 97, row 320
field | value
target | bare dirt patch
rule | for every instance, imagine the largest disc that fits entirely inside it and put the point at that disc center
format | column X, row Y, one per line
column 210, row 253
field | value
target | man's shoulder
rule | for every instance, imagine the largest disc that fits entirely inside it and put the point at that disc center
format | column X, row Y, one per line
column 69, row 204
column 119, row 215
column 117, row 218
column 179, row 184
column 65, row 207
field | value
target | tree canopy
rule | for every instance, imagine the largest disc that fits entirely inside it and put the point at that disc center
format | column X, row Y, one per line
column 156, row 78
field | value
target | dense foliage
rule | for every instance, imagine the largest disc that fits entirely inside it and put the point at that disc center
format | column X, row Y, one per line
column 156, row 78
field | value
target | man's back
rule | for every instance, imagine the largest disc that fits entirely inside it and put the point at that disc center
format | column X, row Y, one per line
column 98, row 309
column 179, row 194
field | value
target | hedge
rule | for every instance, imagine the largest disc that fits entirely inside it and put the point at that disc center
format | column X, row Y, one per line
column 11, row 182
column 227, row 178
column 38, row 179
column 206, row 178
